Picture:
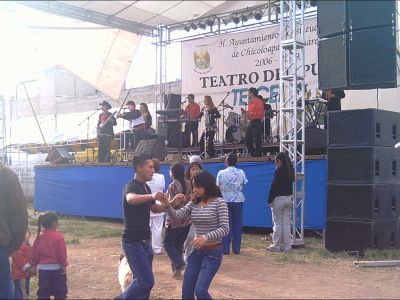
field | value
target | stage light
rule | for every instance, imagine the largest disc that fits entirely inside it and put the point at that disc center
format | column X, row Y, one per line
column 193, row 26
column 202, row 25
column 226, row 21
column 235, row 19
column 244, row 18
column 258, row 14
column 187, row 27
column 210, row 22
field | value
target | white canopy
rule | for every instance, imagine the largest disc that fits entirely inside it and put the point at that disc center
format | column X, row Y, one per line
column 154, row 13
column 102, row 57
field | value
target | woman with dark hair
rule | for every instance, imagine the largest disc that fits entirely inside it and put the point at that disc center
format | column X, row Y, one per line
column 231, row 182
column 209, row 213
column 177, row 230
column 144, row 109
column 194, row 168
column 280, row 201
column 211, row 114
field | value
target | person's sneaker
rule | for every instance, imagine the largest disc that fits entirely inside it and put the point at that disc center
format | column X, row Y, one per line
column 178, row 272
column 273, row 249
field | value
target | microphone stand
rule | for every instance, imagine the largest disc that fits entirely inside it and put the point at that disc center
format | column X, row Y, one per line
column 87, row 132
column 223, row 122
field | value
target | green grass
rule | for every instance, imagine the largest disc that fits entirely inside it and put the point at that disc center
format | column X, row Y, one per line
column 76, row 229
column 314, row 252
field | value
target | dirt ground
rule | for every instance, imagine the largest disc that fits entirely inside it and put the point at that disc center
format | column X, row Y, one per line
column 254, row 274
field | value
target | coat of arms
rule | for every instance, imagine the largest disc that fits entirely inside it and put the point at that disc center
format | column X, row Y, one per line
column 202, row 61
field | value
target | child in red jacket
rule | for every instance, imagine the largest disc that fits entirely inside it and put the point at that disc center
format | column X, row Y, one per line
column 49, row 255
column 21, row 269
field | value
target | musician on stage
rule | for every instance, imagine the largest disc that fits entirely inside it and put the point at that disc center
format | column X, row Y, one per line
column 268, row 115
column 210, row 113
column 334, row 97
column 148, row 120
column 137, row 126
column 255, row 129
column 192, row 112
column 105, row 132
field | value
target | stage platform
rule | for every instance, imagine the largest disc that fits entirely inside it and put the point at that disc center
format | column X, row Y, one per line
column 95, row 189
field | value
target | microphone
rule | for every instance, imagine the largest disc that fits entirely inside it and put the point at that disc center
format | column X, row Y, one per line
column 183, row 102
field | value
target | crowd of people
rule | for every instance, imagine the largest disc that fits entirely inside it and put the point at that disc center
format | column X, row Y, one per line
column 203, row 222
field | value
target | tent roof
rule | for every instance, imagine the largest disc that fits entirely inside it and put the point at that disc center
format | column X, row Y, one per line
column 143, row 15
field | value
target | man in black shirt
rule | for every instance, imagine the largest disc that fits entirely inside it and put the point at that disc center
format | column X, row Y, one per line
column 137, row 202
column 334, row 98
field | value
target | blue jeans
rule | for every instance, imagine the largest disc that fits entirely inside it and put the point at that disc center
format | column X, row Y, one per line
column 235, row 210
column 140, row 259
column 173, row 245
column 18, row 294
column 200, row 271
column 4, row 273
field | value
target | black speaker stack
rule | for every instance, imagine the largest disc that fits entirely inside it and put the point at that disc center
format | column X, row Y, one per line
column 357, row 47
column 363, row 191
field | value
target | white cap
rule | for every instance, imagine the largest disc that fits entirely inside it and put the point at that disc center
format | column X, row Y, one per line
column 195, row 158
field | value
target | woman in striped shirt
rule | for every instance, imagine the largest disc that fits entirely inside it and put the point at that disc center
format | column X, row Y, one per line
column 209, row 213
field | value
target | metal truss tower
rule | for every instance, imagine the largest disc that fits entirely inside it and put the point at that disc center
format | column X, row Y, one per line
column 162, row 41
column 291, row 113
column 2, row 130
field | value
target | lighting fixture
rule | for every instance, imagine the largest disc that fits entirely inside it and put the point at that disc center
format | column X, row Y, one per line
column 187, row 27
column 258, row 14
column 193, row 26
column 202, row 25
column 210, row 22
column 235, row 19
column 226, row 21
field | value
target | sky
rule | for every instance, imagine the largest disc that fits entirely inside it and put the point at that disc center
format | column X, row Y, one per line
column 21, row 30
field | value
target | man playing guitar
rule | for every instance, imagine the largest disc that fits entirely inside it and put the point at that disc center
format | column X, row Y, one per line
column 105, row 132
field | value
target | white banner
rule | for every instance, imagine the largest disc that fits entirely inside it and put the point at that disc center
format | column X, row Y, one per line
column 234, row 62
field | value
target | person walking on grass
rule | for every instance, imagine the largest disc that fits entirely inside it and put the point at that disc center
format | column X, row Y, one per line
column 49, row 256
column 209, row 213
column 21, row 268
column 13, row 225
column 280, row 201
column 156, row 184
column 194, row 168
column 137, row 201
column 176, row 231
column 231, row 182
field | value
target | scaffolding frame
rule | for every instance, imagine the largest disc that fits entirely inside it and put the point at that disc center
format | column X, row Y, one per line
column 3, row 153
column 292, row 105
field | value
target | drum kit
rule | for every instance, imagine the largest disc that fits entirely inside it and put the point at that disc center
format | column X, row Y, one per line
column 236, row 125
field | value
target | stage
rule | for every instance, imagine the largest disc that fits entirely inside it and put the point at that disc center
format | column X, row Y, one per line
column 95, row 189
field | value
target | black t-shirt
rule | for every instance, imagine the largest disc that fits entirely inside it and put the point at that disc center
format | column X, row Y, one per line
column 136, row 217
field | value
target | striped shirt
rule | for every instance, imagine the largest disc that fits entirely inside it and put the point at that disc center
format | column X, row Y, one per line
column 211, row 221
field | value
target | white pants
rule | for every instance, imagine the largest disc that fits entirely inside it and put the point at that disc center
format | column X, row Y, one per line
column 281, row 212
column 156, row 226
column 188, row 247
